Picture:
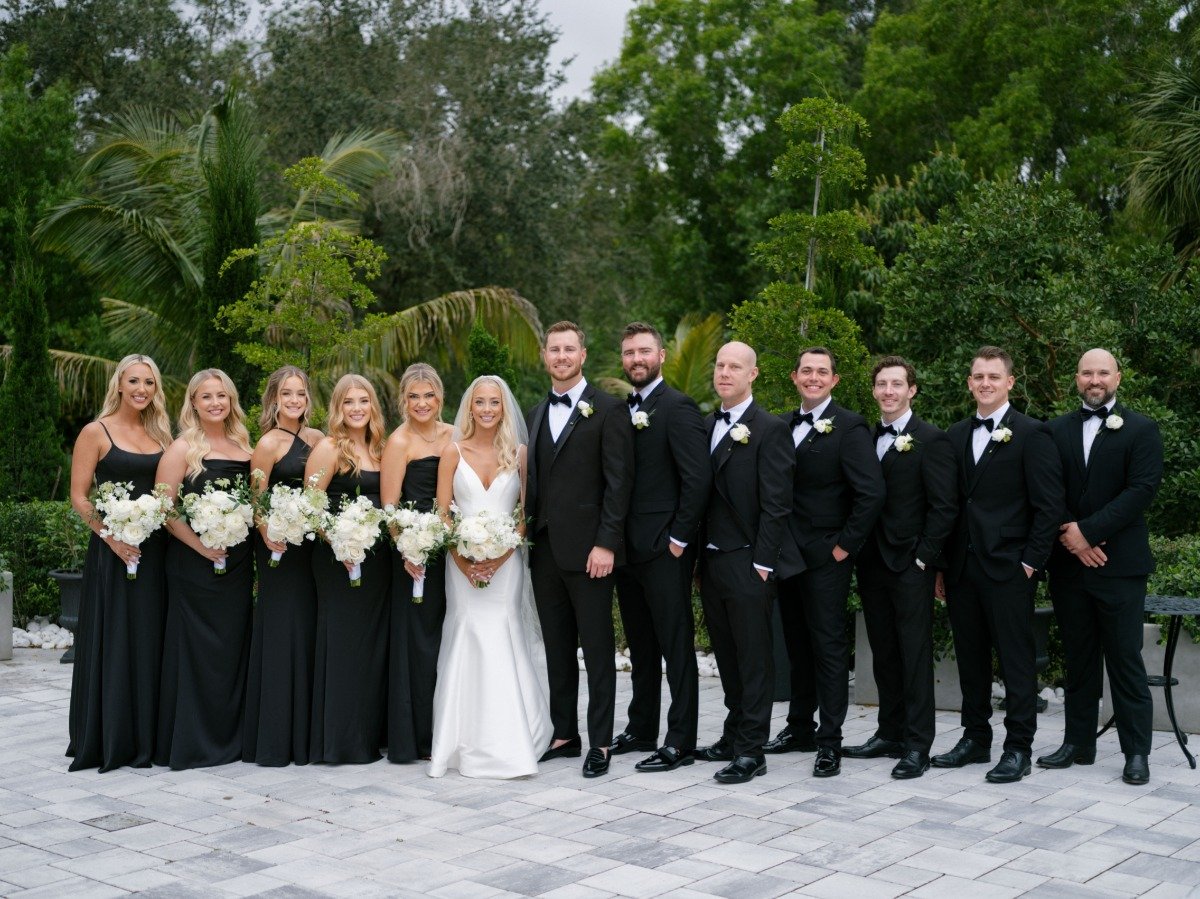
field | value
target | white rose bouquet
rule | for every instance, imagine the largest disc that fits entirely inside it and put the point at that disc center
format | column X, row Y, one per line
column 221, row 516
column 131, row 519
column 291, row 515
column 485, row 536
column 352, row 531
column 419, row 536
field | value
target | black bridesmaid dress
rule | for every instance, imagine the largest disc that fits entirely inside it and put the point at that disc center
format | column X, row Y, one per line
column 350, row 668
column 206, row 647
column 416, row 633
column 279, row 681
column 118, row 643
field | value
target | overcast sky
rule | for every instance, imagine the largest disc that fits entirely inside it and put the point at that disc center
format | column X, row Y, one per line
column 590, row 31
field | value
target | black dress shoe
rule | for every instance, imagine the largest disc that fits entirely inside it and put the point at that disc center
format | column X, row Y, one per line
column 1067, row 755
column 828, row 762
column 913, row 764
column 965, row 752
column 786, row 741
column 1012, row 767
column 595, row 763
column 668, row 758
column 1137, row 770
column 719, row 751
column 627, row 742
column 571, row 749
column 742, row 769
column 874, row 748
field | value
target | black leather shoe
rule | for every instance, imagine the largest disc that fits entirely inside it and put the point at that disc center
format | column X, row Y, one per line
column 786, row 741
column 627, row 742
column 742, row 769
column 965, row 752
column 874, row 748
column 828, row 762
column 1012, row 767
column 719, row 751
column 1067, row 755
column 595, row 763
column 913, row 764
column 1137, row 770
column 571, row 749
column 668, row 758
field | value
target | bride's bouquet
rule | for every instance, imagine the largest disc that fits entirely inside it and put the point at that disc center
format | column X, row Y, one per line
column 221, row 516
column 352, row 531
column 291, row 514
column 419, row 536
column 131, row 519
column 485, row 536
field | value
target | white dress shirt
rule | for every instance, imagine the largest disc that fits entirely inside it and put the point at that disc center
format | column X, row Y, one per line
column 1092, row 426
column 801, row 430
column 644, row 392
column 981, row 436
column 558, row 414
column 720, row 429
column 884, row 443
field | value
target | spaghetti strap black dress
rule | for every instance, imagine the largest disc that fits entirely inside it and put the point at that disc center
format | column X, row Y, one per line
column 279, row 681
column 350, row 668
column 206, row 647
column 118, row 643
column 416, row 633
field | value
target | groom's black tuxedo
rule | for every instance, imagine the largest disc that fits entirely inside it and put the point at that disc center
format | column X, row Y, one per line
column 578, row 489
column 1100, row 610
column 672, row 476
column 746, row 524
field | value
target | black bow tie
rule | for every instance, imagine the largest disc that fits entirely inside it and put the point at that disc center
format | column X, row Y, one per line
column 634, row 399
column 799, row 418
column 881, row 429
column 555, row 398
column 724, row 416
column 982, row 423
column 1087, row 413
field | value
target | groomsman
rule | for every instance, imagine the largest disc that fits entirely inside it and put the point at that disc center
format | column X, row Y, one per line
column 1112, row 460
column 837, row 492
column 744, row 530
column 896, row 569
column 1010, row 507
column 672, row 475
column 578, row 486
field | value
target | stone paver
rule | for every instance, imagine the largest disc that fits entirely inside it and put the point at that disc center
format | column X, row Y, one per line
column 389, row 830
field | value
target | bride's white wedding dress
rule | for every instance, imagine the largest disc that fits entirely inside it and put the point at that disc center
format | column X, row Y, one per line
column 491, row 714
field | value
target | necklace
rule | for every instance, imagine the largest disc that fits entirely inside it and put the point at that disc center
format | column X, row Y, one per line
column 413, row 428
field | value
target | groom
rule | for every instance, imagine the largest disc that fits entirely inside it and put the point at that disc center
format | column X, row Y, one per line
column 578, row 486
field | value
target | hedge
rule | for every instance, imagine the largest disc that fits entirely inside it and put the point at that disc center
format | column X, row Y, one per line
column 36, row 538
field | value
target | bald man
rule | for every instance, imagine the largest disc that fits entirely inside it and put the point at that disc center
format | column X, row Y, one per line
column 745, row 525
column 1112, row 461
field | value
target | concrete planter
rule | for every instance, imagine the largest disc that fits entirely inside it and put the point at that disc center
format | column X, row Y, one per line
column 6, row 616
column 947, row 694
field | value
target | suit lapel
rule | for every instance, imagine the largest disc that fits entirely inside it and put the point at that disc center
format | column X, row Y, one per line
column 1096, row 444
column 539, row 413
column 960, row 438
column 1075, row 430
column 725, row 447
column 889, row 457
column 990, row 449
column 648, row 403
column 586, row 397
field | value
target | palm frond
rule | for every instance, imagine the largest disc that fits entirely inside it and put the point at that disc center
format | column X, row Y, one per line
column 356, row 160
column 690, row 356
column 82, row 379
column 134, row 328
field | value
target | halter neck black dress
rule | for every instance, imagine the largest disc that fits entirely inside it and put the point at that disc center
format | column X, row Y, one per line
column 118, row 643
column 279, row 681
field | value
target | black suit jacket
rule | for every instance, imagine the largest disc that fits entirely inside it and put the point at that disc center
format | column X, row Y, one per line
column 672, row 475
column 837, row 487
column 1108, row 496
column 1010, row 503
column 751, row 491
column 589, row 481
column 922, row 498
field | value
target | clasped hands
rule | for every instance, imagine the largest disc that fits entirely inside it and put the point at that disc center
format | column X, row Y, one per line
column 1072, row 538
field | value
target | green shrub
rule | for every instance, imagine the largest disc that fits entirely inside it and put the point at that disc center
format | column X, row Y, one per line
column 36, row 538
column 1177, row 573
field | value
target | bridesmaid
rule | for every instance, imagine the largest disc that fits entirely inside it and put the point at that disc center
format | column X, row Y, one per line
column 118, row 643
column 350, row 668
column 409, row 474
column 279, row 681
column 207, row 642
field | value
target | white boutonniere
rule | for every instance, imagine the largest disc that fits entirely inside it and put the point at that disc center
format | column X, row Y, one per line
column 1114, row 422
column 585, row 408
column 641, row 419
column 823, row 425
column 739, row 433
column 1001, row 435
column 904, row 443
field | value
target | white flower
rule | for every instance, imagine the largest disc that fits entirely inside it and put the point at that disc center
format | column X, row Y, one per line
column 221, row 518
column 485, row 536
column 904, row 443
column 131, row 520
column 1001, row 435
column 353, row 531
column 585, row 408
column 641, row 420
column 1114, row 422
column 739, row 433
column 823, row 425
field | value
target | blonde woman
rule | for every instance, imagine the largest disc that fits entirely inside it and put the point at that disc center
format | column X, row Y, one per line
column 409, row 475
column 491, row 715
column 207, row 641
column 118, row 643
column 350, row 670
column 279, row 681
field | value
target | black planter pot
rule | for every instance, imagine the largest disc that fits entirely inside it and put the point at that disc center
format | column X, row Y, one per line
column 70, row 589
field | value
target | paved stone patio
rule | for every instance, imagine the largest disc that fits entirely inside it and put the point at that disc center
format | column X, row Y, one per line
column 389, row 830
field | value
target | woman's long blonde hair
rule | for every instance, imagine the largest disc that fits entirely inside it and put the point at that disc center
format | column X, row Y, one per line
column 347, row 458
column 192, row 431
column 415, row 374
column 154, row 417
column 510, row 434
column 269, row 418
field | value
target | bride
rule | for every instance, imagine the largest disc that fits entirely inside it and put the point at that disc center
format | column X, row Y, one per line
column 491, row 715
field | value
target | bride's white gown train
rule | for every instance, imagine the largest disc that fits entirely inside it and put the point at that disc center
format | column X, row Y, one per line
column 491, row 714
